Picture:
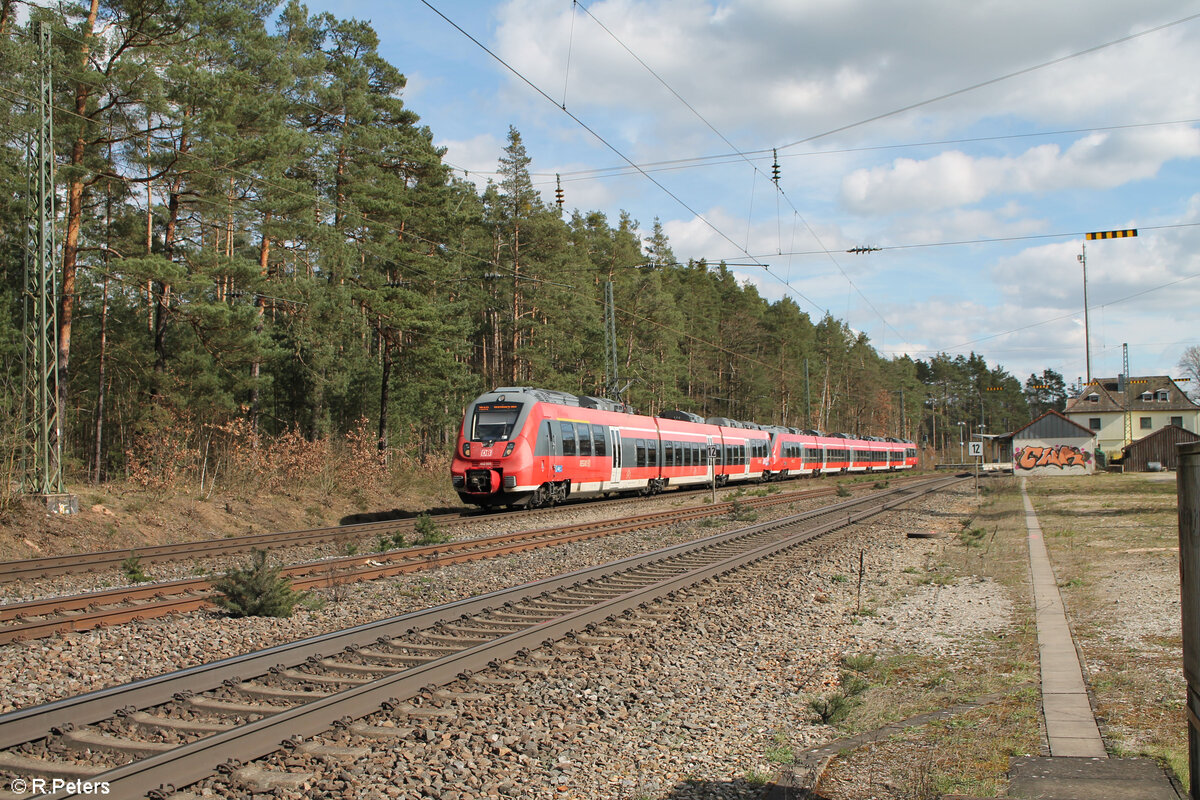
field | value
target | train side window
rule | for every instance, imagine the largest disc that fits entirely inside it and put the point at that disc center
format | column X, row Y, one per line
column 742, row 454
column 585, row 438
column 641, row 453
column 668, row 454
column 687, row 454
column 599, row 444
column 568, row 437
column 652, row 452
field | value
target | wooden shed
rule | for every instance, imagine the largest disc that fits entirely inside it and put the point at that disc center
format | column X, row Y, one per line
column 1157, row 448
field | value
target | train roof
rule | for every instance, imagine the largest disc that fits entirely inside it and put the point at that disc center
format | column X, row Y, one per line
column 682, row 416
column 604, row 404
column 565, row 398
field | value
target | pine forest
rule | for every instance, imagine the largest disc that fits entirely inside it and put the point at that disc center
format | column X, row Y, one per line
column 258, row 244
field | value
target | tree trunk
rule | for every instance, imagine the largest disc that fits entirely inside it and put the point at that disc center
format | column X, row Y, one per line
column 66, row 303
column 382, row 440
column 264, row 251
column 101, row 389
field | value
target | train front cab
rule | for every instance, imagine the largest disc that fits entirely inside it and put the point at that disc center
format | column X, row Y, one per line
column 495, row 449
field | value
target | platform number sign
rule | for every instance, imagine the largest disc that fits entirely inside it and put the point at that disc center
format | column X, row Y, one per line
column 975, row 449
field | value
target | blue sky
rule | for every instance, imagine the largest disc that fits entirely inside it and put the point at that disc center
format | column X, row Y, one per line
column 1105, row 140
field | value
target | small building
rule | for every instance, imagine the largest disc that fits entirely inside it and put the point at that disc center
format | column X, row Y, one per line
column 1122, row 410
column 1157, row 448
column 1052, row 445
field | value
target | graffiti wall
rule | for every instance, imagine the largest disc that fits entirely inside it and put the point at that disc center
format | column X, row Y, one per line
column 1052, row 458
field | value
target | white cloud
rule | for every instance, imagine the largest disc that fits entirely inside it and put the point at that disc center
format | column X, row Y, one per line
column 952, row 178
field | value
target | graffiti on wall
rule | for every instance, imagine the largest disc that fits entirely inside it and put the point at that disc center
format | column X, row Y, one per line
column 1061, row 456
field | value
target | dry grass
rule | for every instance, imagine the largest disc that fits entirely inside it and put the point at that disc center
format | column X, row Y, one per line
column 120, row 515
column 968, row 753
column 1113, row 541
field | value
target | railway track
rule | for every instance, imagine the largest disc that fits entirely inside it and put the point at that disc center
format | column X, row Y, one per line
column 77, row 563
column 146, row 738
column 44, row 617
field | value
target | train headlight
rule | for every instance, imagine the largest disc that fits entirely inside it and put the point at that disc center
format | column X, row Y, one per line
column 466, row 449
column 508, row 450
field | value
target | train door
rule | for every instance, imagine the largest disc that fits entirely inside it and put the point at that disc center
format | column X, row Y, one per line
column 550, row 454
column 614, row 438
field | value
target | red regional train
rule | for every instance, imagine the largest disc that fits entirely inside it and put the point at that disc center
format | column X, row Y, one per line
column 527, row 447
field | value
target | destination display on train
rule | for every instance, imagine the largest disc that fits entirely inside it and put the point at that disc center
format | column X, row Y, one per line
column 498, row 407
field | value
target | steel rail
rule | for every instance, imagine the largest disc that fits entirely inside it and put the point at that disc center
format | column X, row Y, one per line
column 24, row 725
column 159, row 775
column 191, row 594
column 75, row 563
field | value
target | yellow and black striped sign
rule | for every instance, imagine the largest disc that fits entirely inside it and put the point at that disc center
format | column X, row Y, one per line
column 1112, row 234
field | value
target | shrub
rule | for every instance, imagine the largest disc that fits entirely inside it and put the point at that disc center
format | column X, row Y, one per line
column 740, row 513
column 257, row 591
column 132, row 567
column 842, row 491
column 427, row 531
column 973, row 537
column 836, row 706
column 861, row 662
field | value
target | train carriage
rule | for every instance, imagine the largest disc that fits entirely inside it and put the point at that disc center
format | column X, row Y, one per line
column 523, row 446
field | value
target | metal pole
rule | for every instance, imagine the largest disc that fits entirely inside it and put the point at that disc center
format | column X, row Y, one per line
column 1188, row 483
column 1087, row 337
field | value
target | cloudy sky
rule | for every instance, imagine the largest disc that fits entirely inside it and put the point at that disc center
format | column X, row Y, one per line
column 974, row 143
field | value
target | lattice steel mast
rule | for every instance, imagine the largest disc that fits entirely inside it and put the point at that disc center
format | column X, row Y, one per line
column 40, row 402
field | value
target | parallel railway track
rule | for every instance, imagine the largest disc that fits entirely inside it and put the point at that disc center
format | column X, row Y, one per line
column 172, row 730
column 77, row 563
column 39, row 618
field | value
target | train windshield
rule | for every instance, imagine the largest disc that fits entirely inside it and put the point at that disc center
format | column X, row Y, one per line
column 494, row 422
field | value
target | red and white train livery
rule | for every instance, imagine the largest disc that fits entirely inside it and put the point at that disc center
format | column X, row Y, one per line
column 521, row 446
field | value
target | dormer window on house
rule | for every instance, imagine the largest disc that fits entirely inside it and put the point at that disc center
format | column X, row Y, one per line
column 1093, row 398
column 1163, row 396
column 1145, row 397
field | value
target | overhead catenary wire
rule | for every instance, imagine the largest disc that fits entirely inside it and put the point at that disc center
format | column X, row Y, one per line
column 897, row 246
column 583, row 125
column 774, row 178
column 993, row 81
